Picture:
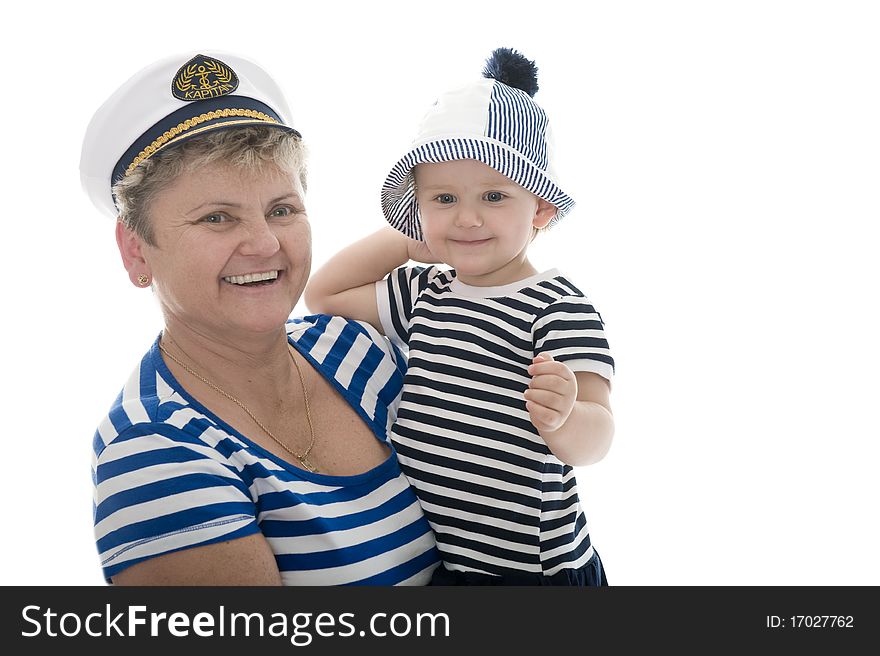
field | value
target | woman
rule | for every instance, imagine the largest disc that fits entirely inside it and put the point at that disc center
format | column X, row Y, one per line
column 245, row 449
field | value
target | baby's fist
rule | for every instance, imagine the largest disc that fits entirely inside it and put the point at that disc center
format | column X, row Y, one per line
column 551, row 393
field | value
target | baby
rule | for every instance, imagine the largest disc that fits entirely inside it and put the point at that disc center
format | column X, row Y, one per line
column 509, row 370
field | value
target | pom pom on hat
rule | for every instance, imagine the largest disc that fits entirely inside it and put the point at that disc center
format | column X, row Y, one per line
column 513, row 69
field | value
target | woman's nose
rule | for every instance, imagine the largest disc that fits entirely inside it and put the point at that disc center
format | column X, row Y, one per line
column 259, row 239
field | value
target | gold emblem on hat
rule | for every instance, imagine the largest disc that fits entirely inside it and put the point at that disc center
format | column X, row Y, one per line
column 203, row 77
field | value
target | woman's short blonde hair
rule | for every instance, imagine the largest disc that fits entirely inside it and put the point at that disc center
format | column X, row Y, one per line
column 249, row 147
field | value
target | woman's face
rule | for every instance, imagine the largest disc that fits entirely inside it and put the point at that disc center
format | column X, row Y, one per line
column 232, row 249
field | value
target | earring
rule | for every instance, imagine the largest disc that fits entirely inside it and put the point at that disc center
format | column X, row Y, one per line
column 143, row 280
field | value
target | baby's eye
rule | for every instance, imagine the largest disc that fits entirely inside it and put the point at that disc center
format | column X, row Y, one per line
column 494, row 196
column 445, row 199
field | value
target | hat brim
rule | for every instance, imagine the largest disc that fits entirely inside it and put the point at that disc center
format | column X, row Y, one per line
column 193, row 120
column 398, row 192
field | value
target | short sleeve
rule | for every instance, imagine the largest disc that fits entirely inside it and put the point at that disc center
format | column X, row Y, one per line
column 159, row 490
column 379, row 381
column 396, row 297
column 364, row 365
column 571, row 330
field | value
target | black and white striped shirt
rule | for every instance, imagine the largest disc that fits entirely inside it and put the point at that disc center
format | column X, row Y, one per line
column 498, row 500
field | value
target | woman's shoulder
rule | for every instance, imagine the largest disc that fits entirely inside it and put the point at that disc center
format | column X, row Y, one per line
column 321, row 323
column 321, row 335
column 362, row 364
column 149, row 403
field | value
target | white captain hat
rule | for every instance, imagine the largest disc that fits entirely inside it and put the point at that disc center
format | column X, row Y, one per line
column 168, row 102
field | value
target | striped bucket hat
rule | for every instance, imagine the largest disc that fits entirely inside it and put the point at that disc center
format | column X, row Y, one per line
column 494, row 121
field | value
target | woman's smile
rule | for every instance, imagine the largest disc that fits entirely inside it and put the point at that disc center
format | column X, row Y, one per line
column 260, row 280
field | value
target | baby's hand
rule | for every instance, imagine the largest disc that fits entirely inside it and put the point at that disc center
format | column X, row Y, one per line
column 551, row 394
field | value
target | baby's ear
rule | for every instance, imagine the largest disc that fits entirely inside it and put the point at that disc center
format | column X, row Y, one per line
column 544, row 214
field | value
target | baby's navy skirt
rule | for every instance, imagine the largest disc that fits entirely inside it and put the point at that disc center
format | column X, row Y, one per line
column 591, row 574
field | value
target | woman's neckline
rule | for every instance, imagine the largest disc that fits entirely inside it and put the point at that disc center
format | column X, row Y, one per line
column 339, row 479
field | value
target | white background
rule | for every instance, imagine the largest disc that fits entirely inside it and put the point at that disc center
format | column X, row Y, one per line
column 725, row 156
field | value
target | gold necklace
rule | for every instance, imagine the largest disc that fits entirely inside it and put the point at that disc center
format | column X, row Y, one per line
column 303, row 459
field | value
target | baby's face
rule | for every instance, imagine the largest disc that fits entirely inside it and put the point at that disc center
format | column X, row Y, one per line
column 478, row 221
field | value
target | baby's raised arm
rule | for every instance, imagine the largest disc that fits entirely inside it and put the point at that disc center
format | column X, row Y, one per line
column 346, row 284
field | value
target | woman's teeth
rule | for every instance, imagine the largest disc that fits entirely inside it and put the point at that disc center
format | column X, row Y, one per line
column 251, row 277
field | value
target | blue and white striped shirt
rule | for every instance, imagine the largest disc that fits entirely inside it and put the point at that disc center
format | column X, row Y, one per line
column 497, row 498
column 170, row 475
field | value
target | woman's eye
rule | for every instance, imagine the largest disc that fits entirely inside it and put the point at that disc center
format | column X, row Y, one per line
column 494, row 196
column 282, row 211
column 445, row 199
column 214, row 218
